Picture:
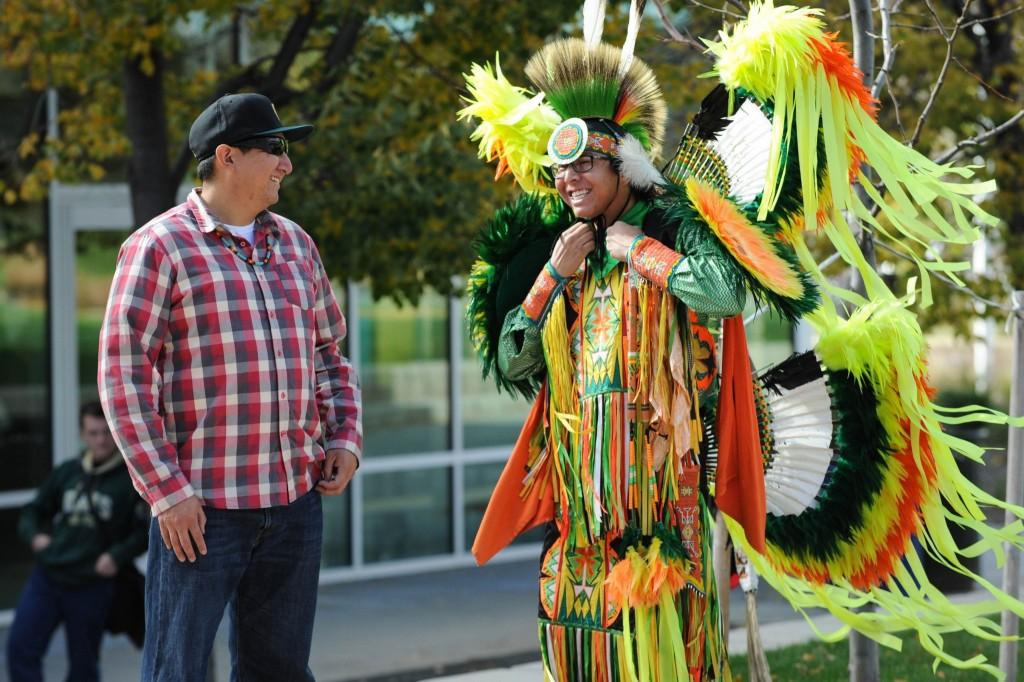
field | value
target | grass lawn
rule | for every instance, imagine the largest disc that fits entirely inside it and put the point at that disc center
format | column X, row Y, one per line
column 820, row 662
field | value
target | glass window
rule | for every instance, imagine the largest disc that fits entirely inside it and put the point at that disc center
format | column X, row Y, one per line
column 404, row 373
column 490, row 417
column 407, row 514
column 17, row 563
column 25, row 445
column 479, row 484
column 95, row 261
column 337, row 547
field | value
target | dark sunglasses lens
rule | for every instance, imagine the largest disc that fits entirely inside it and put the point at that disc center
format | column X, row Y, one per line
column 271, row 145
column 277, row 146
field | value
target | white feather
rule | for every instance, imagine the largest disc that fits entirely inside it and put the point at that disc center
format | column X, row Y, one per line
column 636, row 166
column 802, row 429
column 744, row 146
column 635, row 14
column 593, row 21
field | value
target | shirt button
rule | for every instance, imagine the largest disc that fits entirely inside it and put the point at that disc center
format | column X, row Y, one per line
column 283, row 395
column 271, row 315
column 284, row 434
column 280, row 354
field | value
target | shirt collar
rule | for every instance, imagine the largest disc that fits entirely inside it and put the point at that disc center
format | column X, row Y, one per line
column 207, row 222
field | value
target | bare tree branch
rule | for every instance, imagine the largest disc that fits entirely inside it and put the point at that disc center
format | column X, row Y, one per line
column 994, row 17
column 966, row 24
column 895, row 109
column 981, row 81
column 950, row 38
column 673, row 32
column 980, row 139
column 722, row 10
column 885, row 9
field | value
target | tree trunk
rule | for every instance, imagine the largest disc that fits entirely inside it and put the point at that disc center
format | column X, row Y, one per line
column 149, row 177
column 864, row 661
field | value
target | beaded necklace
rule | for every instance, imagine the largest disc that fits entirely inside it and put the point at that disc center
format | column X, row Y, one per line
column 228, row 241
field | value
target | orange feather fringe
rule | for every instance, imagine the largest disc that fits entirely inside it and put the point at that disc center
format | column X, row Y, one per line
column 745, row 241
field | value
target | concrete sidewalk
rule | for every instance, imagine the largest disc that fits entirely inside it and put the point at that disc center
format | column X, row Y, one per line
column 461, row 625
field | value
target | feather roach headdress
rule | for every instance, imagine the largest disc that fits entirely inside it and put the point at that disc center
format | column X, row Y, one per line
column 590, row 97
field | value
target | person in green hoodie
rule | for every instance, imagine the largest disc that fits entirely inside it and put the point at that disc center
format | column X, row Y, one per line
column 85, row 524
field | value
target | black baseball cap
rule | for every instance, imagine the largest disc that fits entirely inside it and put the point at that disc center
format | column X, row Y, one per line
column 234, row 118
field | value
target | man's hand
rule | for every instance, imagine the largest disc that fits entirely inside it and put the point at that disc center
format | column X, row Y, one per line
column 619, row 238
column 338, row 468
column 181, row 525
column 572, row 247
column 40, row 541
column 105, row 565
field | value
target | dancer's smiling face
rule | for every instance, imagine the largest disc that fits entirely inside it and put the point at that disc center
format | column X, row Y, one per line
column 590, row 185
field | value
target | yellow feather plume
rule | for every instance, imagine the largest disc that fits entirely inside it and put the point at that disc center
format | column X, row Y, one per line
column 514, row 126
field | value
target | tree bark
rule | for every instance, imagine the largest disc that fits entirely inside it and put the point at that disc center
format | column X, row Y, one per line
column 149, row 177
column 864, row 659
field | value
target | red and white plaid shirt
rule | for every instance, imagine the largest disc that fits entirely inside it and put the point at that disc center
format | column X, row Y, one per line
column 219, row 378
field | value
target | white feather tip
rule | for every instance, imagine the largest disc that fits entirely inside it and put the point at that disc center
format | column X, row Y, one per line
column 636, row 166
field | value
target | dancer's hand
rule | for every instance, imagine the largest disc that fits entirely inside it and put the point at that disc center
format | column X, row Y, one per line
column 572, row 247
column 182, row 525
column 619, row 237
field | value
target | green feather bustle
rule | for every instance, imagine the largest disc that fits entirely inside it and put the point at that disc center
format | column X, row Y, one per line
column 512, row 248
column 854, row 480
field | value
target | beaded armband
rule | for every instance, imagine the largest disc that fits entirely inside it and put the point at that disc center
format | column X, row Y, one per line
column 542, row 294
column 653, row 260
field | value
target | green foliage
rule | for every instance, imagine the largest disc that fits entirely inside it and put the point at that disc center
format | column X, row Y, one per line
column 389, row 185
column 820, row 661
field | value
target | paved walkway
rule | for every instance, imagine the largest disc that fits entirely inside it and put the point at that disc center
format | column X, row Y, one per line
column 462, row 625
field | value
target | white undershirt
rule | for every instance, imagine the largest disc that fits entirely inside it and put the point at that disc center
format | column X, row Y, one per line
column 246, row 232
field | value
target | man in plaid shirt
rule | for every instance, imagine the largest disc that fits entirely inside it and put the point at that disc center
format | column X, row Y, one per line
column 225, row 387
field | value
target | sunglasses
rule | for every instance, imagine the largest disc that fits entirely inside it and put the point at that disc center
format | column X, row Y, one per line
column 584, row 164
column 271, row 145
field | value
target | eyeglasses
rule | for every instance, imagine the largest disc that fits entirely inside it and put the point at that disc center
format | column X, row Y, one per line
column 581, row 165
column 271, row 145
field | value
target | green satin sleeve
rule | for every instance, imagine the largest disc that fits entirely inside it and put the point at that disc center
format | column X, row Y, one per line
column 520, row 353
column 707, row 286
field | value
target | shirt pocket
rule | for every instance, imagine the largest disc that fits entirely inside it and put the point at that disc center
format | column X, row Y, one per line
column 296, row 280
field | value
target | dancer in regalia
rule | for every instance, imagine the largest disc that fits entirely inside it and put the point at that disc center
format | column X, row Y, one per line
column 594, row 294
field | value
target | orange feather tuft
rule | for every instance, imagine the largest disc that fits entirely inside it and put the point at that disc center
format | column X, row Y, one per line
column 745, row 241
column 835, row 59
column 857, row 157
column 619, row 581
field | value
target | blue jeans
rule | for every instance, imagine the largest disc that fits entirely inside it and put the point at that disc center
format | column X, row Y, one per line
column 43, row 606
column 263, row 565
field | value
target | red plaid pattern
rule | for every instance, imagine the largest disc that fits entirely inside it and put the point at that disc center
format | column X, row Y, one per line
column 218, row 378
